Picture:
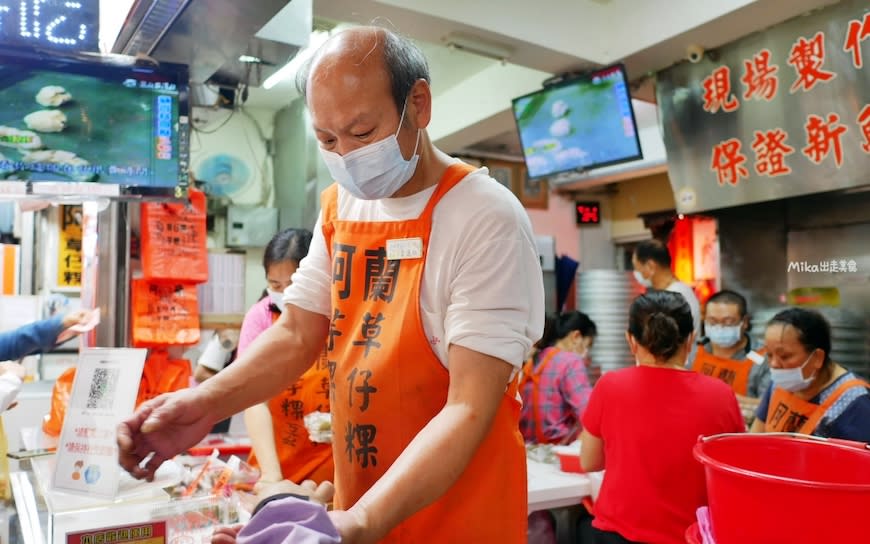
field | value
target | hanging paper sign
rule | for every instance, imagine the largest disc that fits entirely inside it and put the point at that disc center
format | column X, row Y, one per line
column 69, row 262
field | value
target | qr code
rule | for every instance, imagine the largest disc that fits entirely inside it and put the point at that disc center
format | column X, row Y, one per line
column 102, row 393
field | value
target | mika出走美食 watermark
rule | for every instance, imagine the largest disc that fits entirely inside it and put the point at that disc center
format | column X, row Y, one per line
column 830, row 266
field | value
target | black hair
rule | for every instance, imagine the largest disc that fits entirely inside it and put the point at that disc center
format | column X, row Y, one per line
column 287, row 245
column 404, row 61
column 814, row 331
column 559, row 326
column 660, row 321
column 653, row 250
column 726, row 296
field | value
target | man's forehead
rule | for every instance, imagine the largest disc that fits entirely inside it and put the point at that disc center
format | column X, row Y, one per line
column 723, row 308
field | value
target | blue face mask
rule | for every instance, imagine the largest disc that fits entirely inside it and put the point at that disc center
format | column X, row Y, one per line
column 723, row 336
column 374, row 171
column 792, row 379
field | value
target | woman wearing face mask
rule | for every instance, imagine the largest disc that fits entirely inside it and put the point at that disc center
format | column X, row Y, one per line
column 810, row 393
column 281, row 447
column 555, row 387
column 642, row 423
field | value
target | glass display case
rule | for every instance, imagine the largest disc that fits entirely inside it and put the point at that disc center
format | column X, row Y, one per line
column 143, row 512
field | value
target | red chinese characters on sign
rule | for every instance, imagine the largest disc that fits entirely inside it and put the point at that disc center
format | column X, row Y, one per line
column 857, row 33
column 770, row 153
column 864, row 123
column 824, row 137
column 760, row 77
column 728, row 162
column 807, row 58
column 717, row 91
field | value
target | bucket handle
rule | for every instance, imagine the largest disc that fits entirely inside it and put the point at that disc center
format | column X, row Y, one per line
column 838, row 441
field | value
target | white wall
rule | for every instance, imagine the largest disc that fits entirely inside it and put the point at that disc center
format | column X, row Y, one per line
column 247, row 134
column 558, row 220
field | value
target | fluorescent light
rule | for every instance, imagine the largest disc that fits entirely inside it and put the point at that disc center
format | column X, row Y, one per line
column 250, row 59
column 288, row 71
column 472, row 44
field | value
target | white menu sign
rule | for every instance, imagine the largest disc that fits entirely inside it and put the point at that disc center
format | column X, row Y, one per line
column 104, row 393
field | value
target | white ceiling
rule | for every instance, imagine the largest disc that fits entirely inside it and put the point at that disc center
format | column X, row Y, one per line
column 545, row 37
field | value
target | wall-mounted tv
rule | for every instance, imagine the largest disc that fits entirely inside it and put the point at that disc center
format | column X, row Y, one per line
column 580, row 124
column 106, row 121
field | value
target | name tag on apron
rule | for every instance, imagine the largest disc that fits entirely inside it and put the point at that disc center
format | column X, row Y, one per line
column 405, row 248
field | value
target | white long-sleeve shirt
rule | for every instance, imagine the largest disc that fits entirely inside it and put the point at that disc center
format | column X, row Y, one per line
column 482, row 285
column 10, row 385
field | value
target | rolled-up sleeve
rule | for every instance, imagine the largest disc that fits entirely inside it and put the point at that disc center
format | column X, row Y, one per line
column 496, row 304
column 310, row 285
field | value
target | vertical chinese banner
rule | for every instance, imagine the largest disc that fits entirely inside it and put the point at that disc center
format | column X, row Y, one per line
column 69, row 262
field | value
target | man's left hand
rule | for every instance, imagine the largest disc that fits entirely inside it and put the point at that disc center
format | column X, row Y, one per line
column 351, row 527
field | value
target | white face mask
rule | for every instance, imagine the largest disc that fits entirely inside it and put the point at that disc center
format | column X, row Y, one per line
column 641, row 280
column 376, row 170
column 792, row 379
column 721, row 335
column 277, row 298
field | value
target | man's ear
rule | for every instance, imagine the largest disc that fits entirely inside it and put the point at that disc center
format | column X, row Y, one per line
column 420, row 103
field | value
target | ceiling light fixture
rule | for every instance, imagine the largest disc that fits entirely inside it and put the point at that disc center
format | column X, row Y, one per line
column 288, row 71
column 250, row 59
column 476, row 46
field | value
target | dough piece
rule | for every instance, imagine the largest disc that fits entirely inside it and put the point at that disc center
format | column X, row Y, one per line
column 53, row 96
column 46, row 121
column 19, row 139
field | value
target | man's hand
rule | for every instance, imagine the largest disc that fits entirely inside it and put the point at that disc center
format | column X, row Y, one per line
column 164, row 426
column 352, row 526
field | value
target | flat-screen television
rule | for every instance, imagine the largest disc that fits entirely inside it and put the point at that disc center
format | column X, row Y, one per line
column 580, row 124
column 104, row 122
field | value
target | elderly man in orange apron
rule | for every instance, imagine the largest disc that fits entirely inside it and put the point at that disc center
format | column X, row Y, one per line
column 424, row 281
column 726, row 351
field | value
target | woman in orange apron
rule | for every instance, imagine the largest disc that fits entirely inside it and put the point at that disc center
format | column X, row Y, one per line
column 281, row 446
column 810, row 394
column 555, row 386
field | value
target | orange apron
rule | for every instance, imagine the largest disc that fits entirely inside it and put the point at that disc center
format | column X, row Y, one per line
column 387, row 383
column 789, row 413
column 300, row 458
column 532, row 374
column 734, row 373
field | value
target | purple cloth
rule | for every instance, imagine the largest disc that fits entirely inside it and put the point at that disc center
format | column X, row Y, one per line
column 290, row 521
column 705, row 525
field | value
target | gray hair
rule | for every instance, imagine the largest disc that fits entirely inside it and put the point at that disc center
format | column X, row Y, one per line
column 404, row 61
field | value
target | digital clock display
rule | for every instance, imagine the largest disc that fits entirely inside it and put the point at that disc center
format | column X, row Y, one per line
column 588, row 213
column 51, row 24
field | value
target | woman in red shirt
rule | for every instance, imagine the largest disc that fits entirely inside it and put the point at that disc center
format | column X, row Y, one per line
column 655, row 413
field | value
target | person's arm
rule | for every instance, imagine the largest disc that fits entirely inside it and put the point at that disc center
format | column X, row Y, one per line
column 574, row 387
column 11, row 376
column 258, row 422
column 31, row 338
column 591, row 452
column 440, row 452
column 761, row 413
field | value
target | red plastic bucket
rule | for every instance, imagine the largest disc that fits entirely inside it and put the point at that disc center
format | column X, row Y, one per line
column 784, row 489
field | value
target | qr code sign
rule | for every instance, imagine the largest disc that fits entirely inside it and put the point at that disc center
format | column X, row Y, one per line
column 102, row 393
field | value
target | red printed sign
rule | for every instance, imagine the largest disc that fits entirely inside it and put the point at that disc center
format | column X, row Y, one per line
column 153, row 532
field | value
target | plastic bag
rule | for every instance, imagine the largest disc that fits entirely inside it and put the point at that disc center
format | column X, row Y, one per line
column 160, row 375
column 164, row 314
column 174, row 240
